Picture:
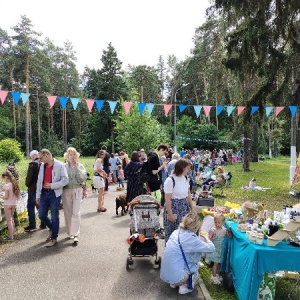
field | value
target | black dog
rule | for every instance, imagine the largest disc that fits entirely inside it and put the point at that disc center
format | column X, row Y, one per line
column 121, row 202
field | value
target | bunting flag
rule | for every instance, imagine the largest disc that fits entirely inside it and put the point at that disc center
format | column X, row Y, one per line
column 150, row 107
column 207, row 110
column 16, row 97
column 90, row 104
column 141, row 107
column 293, row 110
column 254, row 109
column 25, row 97
column 219, row 109
column 230, row 110
column 268, row 110
column 3, row 95
column 51, row 100
column 182, row 107
column 167, row 108
column 63, row 101
column 112, row 105
column 127, row 106
column 99, row 104
column 240, row 109
column 74, row 102
column 278, row 110
column 197, row 109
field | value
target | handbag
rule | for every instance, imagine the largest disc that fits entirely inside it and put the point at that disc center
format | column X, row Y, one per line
column 190, row 279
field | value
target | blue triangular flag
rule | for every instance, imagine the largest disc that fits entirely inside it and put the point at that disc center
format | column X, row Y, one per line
column 219, row 109
column 141, row 107
column 25, row 97
column 99, row 104
column 149, row 107
column 269, row 110
column 293, row 110
column 254, row 109
column 74, row 102
column 197, row 109
column 182, row 107
column 112, row 105
column 230, row 110
column 63, row 101
column 16, row 97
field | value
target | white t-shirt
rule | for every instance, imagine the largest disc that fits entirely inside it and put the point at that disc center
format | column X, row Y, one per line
column 181, row 188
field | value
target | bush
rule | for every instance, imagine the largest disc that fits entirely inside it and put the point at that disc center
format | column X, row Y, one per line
column 10, row 150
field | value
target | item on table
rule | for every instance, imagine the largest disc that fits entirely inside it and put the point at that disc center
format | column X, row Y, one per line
column 242, row 227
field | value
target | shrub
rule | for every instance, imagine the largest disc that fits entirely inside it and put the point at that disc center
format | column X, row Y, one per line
column 10, row 150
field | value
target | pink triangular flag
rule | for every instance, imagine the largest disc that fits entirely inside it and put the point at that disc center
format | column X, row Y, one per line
column 90, row 104
column 167, row 108
column 240, row 109
column 127, row 106
column 278, row 110
column 51, row 100
column 207, row 110
column 3, row 95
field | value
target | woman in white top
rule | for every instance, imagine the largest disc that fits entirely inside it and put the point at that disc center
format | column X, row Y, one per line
column 98, row 179
column 11, row 194
column 178, row 199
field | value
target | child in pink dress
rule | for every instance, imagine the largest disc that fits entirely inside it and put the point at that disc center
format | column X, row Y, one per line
column 217, row 234
column 11, row 194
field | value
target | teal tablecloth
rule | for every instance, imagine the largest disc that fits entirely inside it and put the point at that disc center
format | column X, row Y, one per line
column 249, row 261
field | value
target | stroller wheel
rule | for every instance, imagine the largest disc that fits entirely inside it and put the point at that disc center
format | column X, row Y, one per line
column 129, row 262
column 158, row 262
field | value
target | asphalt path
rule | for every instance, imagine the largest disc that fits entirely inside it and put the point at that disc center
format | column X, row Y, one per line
column 94, row 269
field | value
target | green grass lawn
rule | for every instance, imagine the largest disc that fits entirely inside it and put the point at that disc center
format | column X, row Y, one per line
column 272, row 173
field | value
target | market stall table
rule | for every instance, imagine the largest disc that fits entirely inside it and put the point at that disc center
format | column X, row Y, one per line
column 249, row 261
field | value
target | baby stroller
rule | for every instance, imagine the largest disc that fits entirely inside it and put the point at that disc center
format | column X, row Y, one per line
column 144, row 229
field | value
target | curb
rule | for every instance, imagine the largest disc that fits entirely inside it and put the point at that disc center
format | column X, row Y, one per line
column 204, row 290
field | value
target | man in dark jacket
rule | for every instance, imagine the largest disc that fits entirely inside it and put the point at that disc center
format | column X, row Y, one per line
column 30, row 182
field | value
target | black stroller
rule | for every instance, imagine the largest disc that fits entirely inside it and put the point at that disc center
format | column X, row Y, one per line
column 144, row 229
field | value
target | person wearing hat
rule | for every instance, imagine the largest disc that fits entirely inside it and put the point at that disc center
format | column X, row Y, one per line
column 30, row 182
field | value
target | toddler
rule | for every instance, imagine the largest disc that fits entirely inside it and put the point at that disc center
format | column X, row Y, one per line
column 11, row 194
column 120, row 178
column 217, row 234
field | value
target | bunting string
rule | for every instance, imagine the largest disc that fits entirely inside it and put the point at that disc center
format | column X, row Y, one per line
column 142, row 107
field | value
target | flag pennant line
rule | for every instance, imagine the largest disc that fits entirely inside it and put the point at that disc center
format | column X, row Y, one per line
column 148, row 107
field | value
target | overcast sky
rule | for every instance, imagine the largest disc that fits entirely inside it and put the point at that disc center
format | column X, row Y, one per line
column 140, row 30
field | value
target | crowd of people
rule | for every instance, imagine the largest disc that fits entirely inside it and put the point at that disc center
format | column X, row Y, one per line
column 170, row 178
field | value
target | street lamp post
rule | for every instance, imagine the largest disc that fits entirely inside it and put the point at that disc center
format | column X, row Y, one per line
column 175, row 117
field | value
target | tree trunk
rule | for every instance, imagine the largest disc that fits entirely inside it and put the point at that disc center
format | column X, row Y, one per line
column 27, row 114
column 38, row 119
column 254, row 144
column 246, row 154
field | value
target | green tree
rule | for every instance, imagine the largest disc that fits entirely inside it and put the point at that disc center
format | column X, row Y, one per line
column 10, row 150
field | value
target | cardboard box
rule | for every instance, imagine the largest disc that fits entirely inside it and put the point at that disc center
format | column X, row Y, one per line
column 210, row 202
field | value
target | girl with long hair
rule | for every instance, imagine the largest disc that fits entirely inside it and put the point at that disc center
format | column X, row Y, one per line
column 11, row 194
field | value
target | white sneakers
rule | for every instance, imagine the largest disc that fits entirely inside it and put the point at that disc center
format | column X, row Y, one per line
column 184, row 290
column 216, row 279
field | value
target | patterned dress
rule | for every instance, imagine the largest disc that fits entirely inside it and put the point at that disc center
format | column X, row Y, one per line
column 134, row 185
column 218, row 242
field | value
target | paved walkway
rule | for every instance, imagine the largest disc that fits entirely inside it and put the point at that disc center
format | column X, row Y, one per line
column 95, row 269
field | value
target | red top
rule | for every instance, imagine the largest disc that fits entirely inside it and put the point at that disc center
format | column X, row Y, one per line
column 48, row 174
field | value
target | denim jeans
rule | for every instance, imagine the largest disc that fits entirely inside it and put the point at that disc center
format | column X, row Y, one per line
column 49, row 200
column 31, row 209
